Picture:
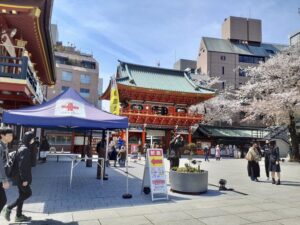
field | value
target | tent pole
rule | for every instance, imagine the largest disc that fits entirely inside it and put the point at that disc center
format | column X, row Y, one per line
column 106, row 151
column 127, row 195
column 21, row 132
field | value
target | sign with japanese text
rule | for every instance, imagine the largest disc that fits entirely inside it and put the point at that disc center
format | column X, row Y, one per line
column 157, row 171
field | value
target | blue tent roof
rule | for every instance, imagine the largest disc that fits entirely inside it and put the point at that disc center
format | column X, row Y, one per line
column 68, row 110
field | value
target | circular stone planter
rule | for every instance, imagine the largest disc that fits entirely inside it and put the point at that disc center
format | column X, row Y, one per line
column 189, row 183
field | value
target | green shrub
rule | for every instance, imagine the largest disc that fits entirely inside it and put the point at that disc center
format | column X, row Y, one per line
column 187, row 169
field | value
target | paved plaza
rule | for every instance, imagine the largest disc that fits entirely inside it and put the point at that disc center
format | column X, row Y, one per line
column 91, row 202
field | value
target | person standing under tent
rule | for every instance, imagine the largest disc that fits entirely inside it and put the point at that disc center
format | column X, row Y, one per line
column 5, row 138
column 44, row 148
column 101, row 150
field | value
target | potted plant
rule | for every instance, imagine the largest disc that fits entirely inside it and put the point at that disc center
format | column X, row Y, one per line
column 189, row 179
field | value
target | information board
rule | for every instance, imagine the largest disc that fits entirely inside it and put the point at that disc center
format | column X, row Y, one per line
column 155, row 174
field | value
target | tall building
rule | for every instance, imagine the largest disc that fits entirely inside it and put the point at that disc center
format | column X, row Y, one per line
column 26, row 55
column 77, row 70
column 240, row 46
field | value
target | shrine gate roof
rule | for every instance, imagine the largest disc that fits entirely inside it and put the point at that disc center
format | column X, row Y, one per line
column 158, row 78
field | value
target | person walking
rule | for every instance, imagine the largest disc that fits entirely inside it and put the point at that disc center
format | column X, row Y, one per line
column 23, row 178
column 218, row 152
column 267, row 158
column 5, row 138
column 253, row 156
column 44, row 148
column 274, row 165
column 206, row 152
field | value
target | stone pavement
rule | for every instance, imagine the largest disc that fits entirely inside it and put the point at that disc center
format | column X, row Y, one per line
column 90, row 202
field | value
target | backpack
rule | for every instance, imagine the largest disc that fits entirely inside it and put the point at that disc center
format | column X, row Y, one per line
column 12, row 164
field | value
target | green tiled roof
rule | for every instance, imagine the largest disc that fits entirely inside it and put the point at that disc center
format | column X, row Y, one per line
column 157, row 78
column 226, row 46
column 233, row 132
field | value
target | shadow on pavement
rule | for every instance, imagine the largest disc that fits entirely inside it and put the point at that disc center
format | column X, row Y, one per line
column 290, row 183
column 46, row 222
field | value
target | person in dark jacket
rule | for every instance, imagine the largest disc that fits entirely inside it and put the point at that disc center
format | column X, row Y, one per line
column 267, row 158
column 5, row 138
column 114, row 155
column 23, row 178
column 206, row 152
column 174, row 153
column 44, row 148
column 274, row 162
column 101, row 150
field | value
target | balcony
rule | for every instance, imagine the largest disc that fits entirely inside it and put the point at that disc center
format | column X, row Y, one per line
column 18, row 68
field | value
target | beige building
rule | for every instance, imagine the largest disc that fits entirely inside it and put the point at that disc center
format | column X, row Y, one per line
column 183, row 64
column 240, row 46
column 77, row 70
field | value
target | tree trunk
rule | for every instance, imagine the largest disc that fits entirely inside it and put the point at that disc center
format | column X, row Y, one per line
column 294, row 139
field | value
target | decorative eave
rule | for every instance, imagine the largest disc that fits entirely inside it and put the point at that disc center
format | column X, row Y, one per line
column 37, row 32
column 191, row 98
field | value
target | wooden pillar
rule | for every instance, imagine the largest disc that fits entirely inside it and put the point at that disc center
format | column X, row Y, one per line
column 72, row 142
column 143, row 137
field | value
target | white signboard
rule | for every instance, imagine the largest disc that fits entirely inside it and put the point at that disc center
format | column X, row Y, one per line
column 157, row 174
column 69, row 107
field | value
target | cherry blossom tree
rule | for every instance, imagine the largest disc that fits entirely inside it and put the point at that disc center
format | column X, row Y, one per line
column 271, row 95
column 273, row 92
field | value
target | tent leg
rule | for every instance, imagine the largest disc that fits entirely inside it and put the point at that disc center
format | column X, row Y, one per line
column 127, row 195
column 21, row 132
column 106, row 151
column 71, row 175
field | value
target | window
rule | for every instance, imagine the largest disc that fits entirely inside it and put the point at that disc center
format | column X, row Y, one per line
column 85, row 79
column 250, row 59
column 61, row 60
column 66, row 76
column 242, row 73
column 63, row 88
column 84, row 92
column 270, row 51
column 223, row 57
column 59, row 140
column 223, row 70
column 88, row 64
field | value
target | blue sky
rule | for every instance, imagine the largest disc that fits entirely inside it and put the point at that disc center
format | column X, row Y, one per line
column 148, row 31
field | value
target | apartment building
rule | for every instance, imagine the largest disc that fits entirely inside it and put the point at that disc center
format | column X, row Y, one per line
column 77, row 70
column 240, row 46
